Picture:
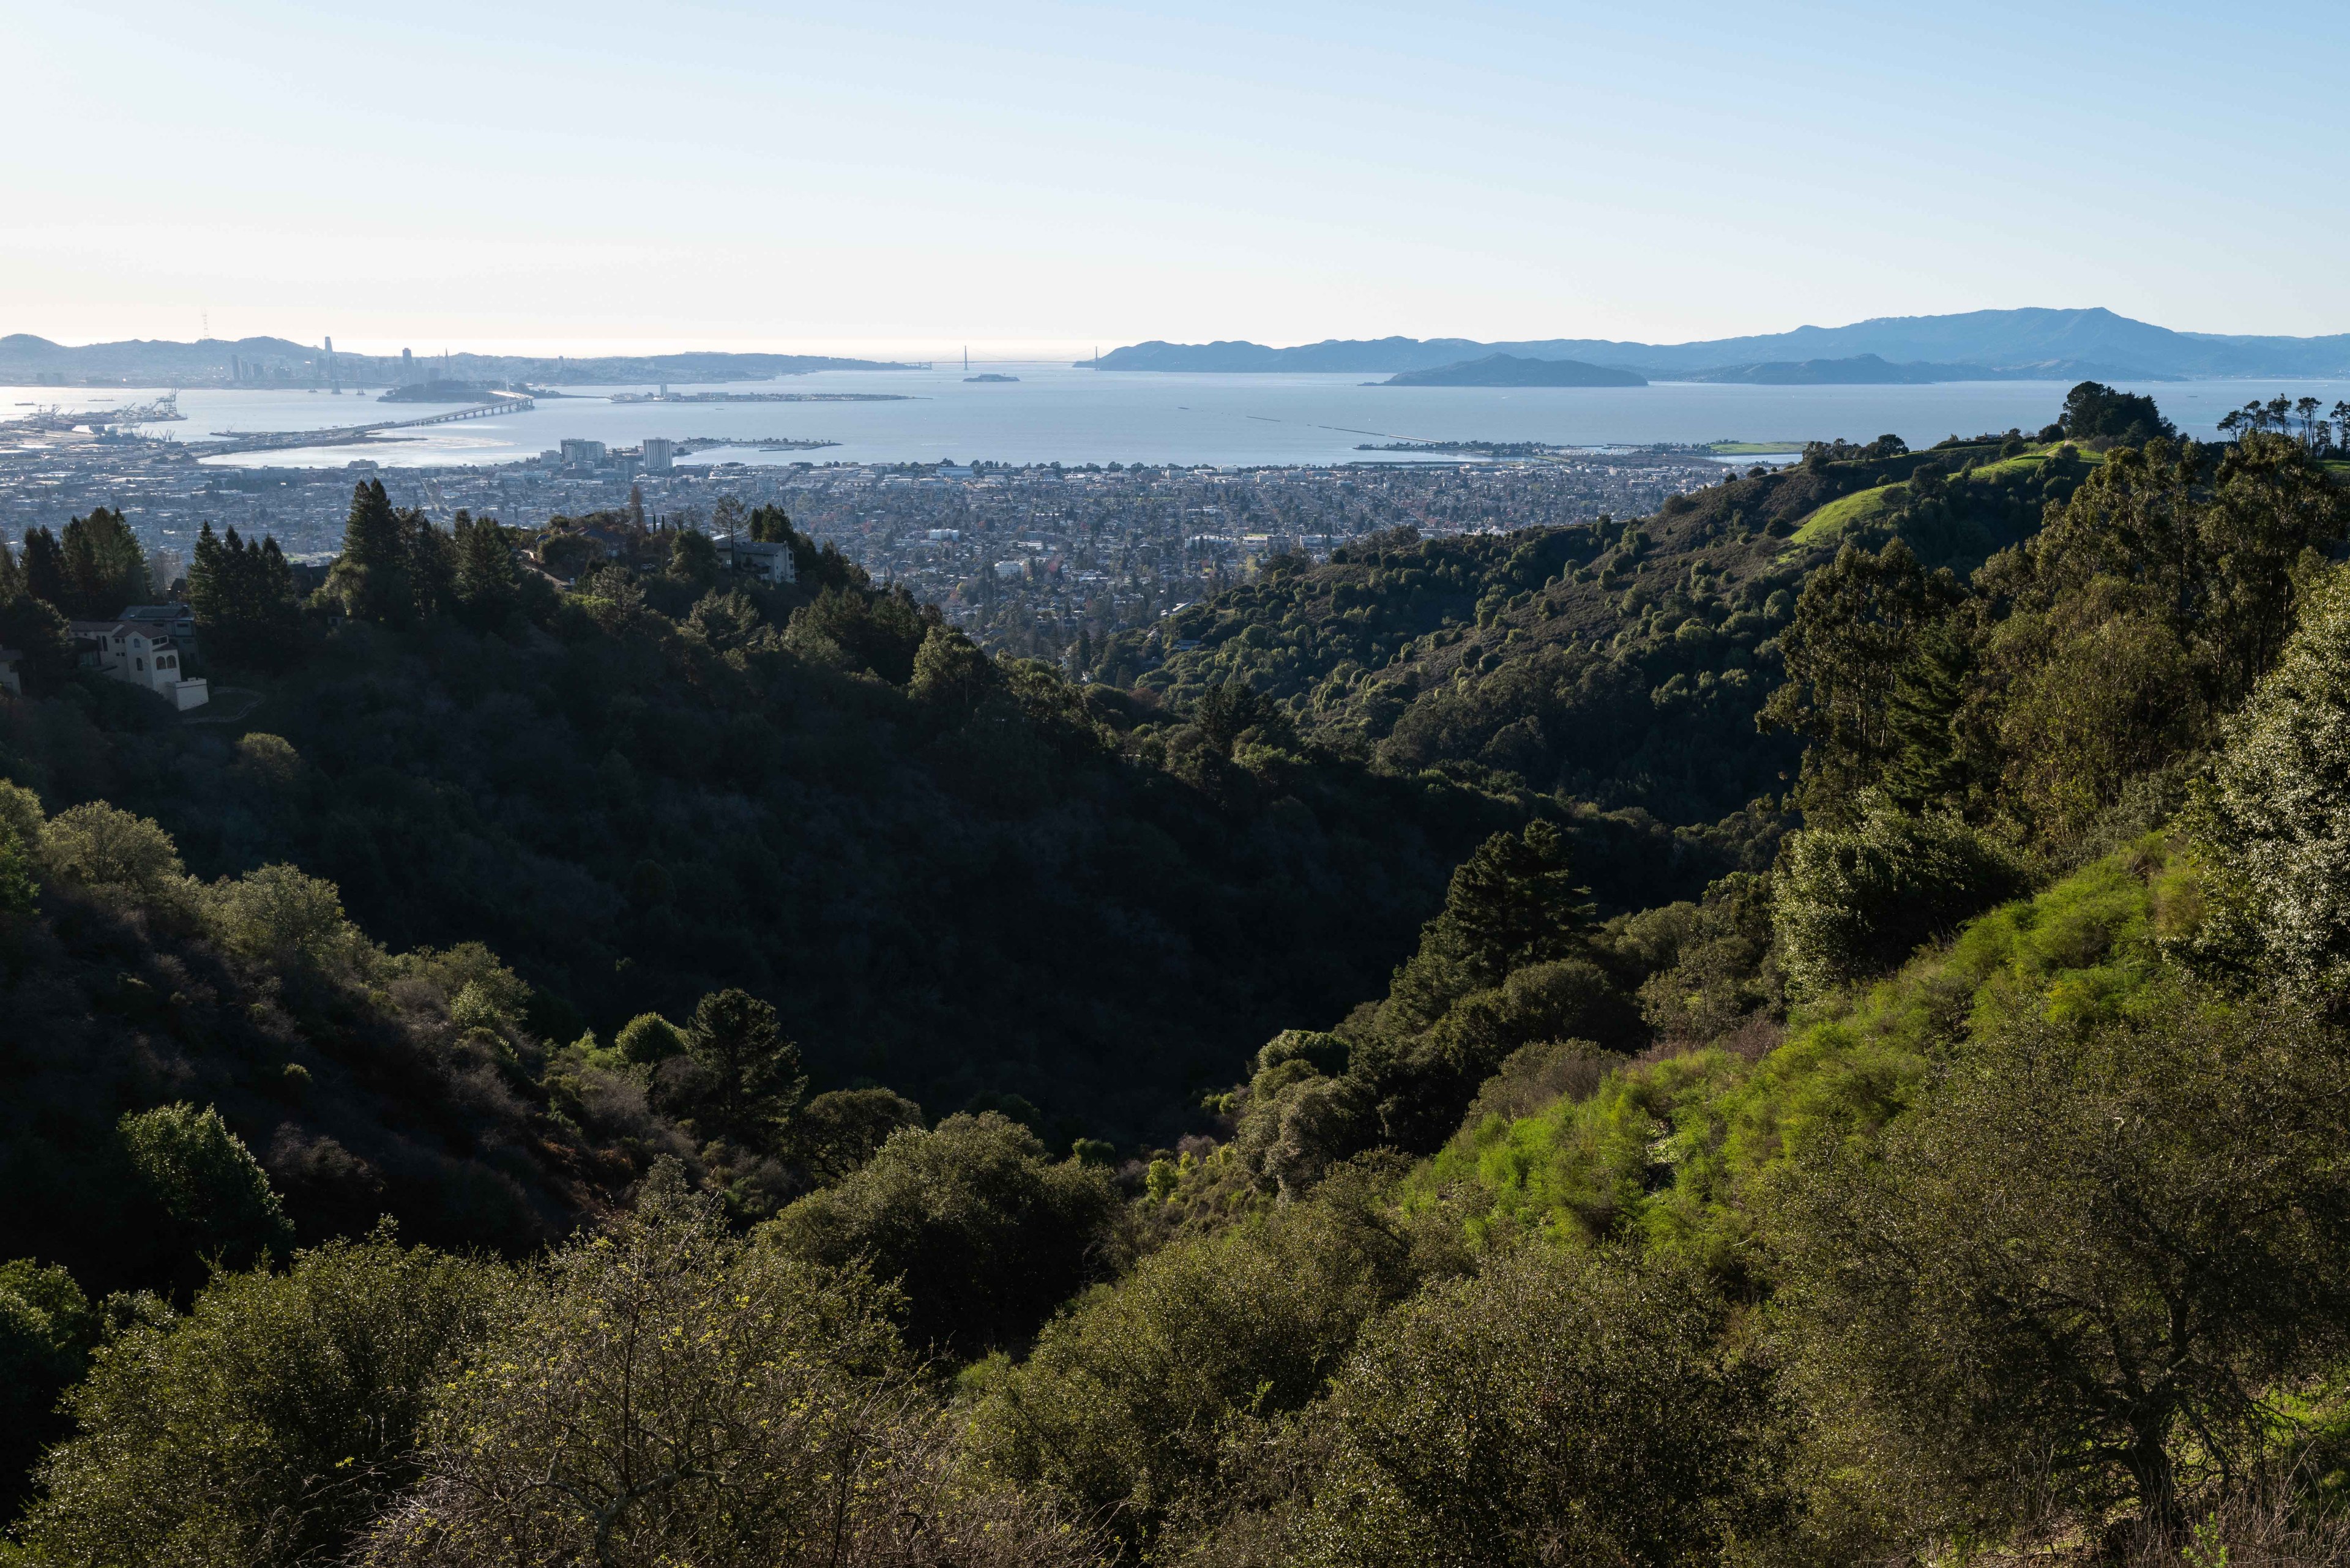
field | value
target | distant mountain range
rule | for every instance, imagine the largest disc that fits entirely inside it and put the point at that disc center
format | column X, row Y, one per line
column 2056, row 344
column 274, row 361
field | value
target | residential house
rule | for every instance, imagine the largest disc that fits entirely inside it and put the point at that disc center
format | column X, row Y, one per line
column 771, row 562
column 177, row 622
column 140, row 654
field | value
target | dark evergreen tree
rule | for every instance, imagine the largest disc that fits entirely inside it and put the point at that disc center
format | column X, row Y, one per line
column 44, row 568
column 104, row 571
column 369, row 580
column 2094, row 410
column 1856, row 625
column 243, row 597
column 740, row 1079
column 431, row 565
column 485, row 586
column 1926, row 767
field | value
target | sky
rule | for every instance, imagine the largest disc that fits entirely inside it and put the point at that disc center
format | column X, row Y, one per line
column 1028, row 178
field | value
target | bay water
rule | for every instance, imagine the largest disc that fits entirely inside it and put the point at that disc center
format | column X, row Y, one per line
column 1055, row 412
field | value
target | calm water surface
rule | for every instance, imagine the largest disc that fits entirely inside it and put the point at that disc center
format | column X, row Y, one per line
column 1056, row 413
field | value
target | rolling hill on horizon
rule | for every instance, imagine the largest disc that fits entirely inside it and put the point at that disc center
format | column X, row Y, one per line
column 2059, row 344
column 26, row 358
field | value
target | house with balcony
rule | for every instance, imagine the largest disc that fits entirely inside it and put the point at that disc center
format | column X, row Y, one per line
column 141, row 654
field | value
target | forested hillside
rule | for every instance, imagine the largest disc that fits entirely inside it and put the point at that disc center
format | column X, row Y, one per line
column 953, row 875
column 1809, row 1029
column 1622, row 663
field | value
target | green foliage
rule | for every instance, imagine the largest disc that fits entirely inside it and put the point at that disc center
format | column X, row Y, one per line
column 951, row 675
column 366, row 1083
column 881, row 633
column 2273, row 823
column 1681, row 1152
column 36, row 628
column 982, row 1232
column 1848, row 904
column 1511, row 960
column 278, row 917
column 692, row 558
column 21, row 814
column 2094, row 411
column 1134, row 1401
column 203, row 1198
column 269, row 1425
column 836, row 1133
column 2092, row 1263
column 666, row 1392
column 46, row 1333
column 395, row 567
column 243, row 599
column 484, row 583
column 641, row 809
column 44, row 569
column 103, row 569
column 1713, row 965
column 101, row 845
column 739, row 1078
column 2096, row 656
column 1555, row 1408
column 1856, row 624
column 647, row 1039
column 18, row 887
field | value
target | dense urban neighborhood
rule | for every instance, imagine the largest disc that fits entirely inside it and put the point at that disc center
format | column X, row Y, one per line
column 1017, row 555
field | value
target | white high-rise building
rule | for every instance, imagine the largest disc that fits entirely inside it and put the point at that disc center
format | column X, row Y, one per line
column 660, row 453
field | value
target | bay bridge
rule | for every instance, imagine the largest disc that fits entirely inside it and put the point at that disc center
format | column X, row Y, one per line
column 235, row 441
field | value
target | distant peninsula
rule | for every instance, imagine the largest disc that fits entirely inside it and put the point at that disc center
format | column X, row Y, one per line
column 1860, row 370
column 2034, row 344
column 1509, row 371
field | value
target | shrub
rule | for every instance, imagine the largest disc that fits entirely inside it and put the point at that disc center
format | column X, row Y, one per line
column 1847, row 905
column 668, row 1392
column 984, row 1234
column 101, row 846
column 267, row 1425
column 1555, row 1408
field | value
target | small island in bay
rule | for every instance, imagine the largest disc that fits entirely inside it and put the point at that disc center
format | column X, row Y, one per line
column 991, row 375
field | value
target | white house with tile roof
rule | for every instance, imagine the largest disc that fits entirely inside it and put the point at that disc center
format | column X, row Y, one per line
column 141, row 653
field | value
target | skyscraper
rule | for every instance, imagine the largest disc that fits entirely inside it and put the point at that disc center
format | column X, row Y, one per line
column 661, row 454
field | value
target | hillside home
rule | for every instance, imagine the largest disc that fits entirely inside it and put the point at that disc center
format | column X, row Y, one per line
column 771, row 562
column 177, row 622
column 10, row 680
column 140, row 655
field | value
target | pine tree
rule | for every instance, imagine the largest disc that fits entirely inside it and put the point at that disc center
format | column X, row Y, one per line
column 242, row 596
column 209, row 591
column 1925, row 768
column 370, row 578
column 45, row 568
column 431, row 565
column 105, row 570
column 488, row 586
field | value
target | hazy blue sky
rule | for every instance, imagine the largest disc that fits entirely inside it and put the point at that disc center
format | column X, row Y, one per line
column 889, row 174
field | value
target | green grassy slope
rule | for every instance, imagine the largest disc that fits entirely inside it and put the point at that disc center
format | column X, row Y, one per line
column 1673, row 1150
